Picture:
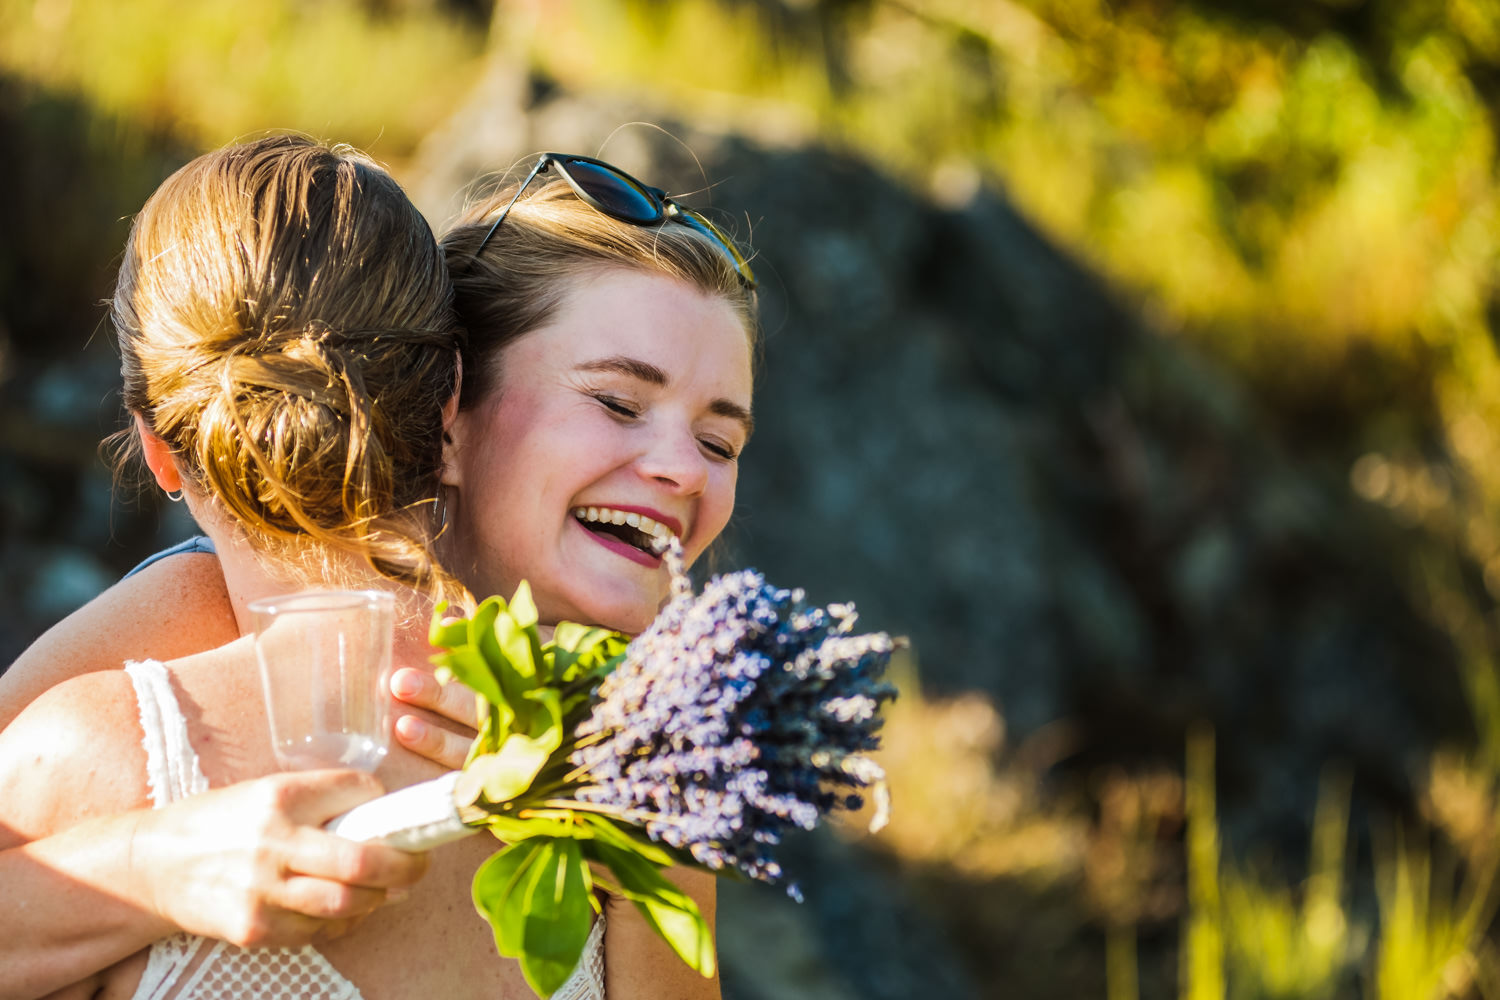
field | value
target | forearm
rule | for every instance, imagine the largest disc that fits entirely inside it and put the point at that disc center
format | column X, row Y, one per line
column 72, row 907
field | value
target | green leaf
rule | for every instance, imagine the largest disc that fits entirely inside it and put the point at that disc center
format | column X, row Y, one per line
column 569, row 635
column 627, row 839
column 469, row 787
column 497, row 896
column 466, row 657
column 468, row 665
column 513, row 829
column 523, row 611
column 443, row 634
column 517, row 664
column 482, row 634
column 522, row 607
column 546, row 724
column 582, row 650
column 504, row 775
column 492, row 726
column 558, row 915
column 670, row 911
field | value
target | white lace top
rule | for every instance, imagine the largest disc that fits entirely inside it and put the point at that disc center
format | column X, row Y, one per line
column 186, row 967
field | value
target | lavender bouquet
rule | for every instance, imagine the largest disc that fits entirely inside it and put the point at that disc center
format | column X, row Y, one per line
column 740, row 714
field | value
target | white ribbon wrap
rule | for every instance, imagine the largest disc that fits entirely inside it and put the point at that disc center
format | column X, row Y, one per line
column 416, row 818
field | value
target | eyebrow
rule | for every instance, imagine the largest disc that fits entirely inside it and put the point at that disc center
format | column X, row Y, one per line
column 644, row 371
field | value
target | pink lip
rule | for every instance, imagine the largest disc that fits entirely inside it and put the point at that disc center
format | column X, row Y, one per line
column 618, row 547
column 650, row 512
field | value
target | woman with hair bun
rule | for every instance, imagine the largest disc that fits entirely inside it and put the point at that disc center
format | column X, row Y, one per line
column 606, row 398
column 288, row 347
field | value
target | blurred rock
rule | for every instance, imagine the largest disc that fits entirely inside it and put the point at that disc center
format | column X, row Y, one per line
column 859, row 933
column 66, row 579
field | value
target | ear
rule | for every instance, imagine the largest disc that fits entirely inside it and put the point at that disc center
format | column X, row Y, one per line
column 453, row 446
column 158, row 457
column 450, row 408
column 452, row 428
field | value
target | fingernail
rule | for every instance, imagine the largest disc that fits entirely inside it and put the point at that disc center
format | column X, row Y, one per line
column 406, row 684
column 411, row 729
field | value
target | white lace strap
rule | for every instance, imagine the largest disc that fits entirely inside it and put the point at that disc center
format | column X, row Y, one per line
column 587, row 979
column 172, row 769
column 165, row 965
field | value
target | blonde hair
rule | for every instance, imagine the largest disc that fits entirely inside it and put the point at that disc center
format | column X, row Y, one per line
column 285, row 325
column 517, row 281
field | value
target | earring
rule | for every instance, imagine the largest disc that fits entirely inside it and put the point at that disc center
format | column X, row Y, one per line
column 175, row 499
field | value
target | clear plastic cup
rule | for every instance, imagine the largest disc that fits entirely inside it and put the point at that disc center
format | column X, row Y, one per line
column 325, row 664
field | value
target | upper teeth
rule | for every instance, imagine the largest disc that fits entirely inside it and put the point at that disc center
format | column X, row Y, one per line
column 608, row 515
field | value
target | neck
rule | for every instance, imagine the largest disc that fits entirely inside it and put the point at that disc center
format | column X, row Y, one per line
column 247, row 578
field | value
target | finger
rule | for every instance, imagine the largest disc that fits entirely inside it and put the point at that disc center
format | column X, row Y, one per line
column 338, row 928
column 433, row 742
column 319, row 855
column 323, row 899
column 313, row 798
column 334, row 929
column 454, row 702
column 279, row 929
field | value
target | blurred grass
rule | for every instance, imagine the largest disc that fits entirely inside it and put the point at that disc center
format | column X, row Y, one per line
column 1433, row 927
column 209, row 72
column 1204, row 947
column 1247, row 934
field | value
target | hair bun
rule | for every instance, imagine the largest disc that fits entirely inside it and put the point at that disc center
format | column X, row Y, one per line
column 269, row 294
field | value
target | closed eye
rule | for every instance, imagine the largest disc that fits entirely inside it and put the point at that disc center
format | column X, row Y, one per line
column 719, row 449
column 614, row 404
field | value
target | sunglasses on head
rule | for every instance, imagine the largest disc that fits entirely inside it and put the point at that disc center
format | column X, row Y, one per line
column 620, row 196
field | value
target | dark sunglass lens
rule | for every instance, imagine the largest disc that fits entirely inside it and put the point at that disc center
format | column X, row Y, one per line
column 614, row 193
column 688, row 217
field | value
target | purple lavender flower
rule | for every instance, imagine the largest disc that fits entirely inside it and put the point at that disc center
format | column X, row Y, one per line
column 739, row 714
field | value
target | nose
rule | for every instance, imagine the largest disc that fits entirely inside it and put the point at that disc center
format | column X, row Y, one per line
column 676, row 460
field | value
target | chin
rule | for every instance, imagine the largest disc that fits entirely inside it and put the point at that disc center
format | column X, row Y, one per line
column 629, row 616
column 630, row 623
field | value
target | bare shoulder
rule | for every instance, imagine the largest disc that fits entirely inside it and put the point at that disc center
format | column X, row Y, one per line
column 171, row 608
column 72, row 754
column 638, row 965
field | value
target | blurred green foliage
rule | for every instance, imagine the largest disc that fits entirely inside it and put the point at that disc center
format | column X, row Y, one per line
column 378, row 76
column 1307, row 190
column 1248, row 937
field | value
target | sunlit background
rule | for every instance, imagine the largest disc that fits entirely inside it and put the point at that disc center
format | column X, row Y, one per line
column 1136, row 359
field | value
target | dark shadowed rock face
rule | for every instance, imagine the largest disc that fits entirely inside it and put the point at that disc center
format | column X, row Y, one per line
column 962, row 431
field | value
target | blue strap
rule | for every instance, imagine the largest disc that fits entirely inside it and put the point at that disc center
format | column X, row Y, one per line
column 198, row 543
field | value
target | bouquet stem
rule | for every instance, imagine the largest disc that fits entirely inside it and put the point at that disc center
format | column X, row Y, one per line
column 416, row 818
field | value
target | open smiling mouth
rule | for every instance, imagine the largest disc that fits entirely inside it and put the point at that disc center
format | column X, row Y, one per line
column 636, row 530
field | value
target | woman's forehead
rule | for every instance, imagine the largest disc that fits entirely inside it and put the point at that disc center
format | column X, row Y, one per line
column 642, row 325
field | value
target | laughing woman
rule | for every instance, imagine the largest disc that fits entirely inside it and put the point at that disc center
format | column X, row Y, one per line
column 608, row 380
